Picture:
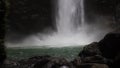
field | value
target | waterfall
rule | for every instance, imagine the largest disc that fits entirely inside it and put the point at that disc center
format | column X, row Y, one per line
column 66, row 13
column 82, row 12
column 65, row 16
column 67, row 33
column 71, row 26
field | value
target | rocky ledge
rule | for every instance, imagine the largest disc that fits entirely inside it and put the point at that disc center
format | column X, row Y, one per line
column 102, row 54
column 105, row 53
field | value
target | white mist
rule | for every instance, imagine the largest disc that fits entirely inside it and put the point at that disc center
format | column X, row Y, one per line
column 70, row 30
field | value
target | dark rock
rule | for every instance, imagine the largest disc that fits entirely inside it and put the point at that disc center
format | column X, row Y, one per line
column 94, row 59
column 76, row 62
column 43, row 61
column 110, row 48
column 92, row 54
column 116, row 63
column 39, row 57
column 93, row 65
column 90, row 50
column 11, row 64
column 107, row 51
column 110, row 45
column 53, row 62
column 2, row 31
column 100, row 66
column 2, row 54
column 36, row 61
column 36, row 13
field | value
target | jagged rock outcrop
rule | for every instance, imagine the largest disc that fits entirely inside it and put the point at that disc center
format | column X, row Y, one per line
column 90, row 50
column 107, row 51
column 110, row 45
column 110, row 48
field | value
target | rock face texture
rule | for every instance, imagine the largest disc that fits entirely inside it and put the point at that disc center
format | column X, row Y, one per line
column 107, row 51
column 29, row 16
column 110, row 45
column 46, row 62
column 110, row 48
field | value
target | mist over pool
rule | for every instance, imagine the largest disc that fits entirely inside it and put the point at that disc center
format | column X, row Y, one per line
column 72, row 28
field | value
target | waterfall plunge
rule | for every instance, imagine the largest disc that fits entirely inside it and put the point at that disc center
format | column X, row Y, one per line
column 71, row 28
column 65, row 23
column 66, row 15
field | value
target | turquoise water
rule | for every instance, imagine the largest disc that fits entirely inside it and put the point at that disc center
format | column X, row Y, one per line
column 24, row 53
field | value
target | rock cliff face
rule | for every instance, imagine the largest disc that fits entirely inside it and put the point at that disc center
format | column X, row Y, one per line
column 29, row 16
column 26, row 17
column 110, row 48
column 107, row 51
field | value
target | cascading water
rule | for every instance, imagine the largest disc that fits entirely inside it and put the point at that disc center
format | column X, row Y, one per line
column 66, row 15
column 71, row 28
column 67, row 33
column 82, row 12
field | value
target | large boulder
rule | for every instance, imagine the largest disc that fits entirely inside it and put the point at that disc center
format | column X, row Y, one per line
column 107, row 51
column 90, row 50
column 110, row 45
column 110, row 48
column 92, row 54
